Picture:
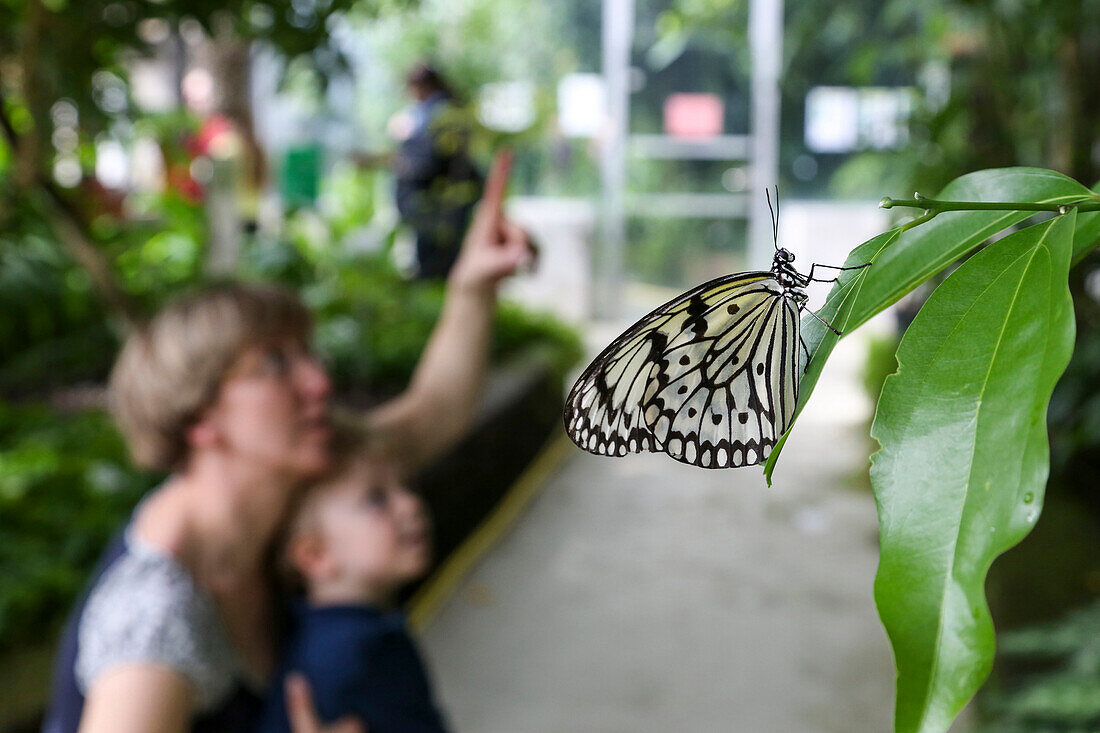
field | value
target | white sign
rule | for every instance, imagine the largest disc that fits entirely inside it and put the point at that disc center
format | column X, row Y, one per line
column 884, row 116
column 582, row 105
column 832, row 119
column 843, row 119
column 507, row 106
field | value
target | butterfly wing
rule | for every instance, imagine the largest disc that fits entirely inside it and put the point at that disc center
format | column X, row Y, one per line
column 725, row 389
column 618, row 403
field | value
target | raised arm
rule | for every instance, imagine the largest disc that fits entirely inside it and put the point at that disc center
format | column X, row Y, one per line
column 443, row 395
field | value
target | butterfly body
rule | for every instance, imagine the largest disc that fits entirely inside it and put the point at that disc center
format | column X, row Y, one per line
column 710, row 378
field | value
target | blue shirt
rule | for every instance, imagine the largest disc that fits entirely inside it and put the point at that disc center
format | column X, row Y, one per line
column 359, row 661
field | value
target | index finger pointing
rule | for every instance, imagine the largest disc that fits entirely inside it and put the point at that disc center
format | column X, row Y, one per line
column 492, row 200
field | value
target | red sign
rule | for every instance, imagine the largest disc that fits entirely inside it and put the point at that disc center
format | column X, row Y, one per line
column 694, row 115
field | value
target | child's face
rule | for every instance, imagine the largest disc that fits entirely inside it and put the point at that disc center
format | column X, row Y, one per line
column 376, row 533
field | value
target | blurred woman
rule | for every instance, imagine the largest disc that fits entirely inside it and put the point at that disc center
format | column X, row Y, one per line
column 437, row 181
column 177, row 629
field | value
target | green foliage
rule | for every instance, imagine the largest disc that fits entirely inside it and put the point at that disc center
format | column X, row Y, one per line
column 517, row 330
column 56, row 330
column 352, row 192
column 1075, row 414
column 1015, row 87
column 962, row 425
column 53, row 330
column 372, row 324
column 472, row 42
column 1061, row 693
column 656, row 252
column 162, row 254
column 881, row 363
column 65, row 484
column 80, row 49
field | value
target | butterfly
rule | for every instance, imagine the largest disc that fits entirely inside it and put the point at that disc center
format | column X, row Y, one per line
column 710, row 377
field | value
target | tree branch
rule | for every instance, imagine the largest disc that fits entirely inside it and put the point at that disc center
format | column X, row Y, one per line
column 25, row 149
column 73, row 232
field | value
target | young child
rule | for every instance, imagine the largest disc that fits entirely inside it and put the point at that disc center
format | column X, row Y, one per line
column 356, row 539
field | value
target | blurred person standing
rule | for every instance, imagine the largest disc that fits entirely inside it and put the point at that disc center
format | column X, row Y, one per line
column 437, row 181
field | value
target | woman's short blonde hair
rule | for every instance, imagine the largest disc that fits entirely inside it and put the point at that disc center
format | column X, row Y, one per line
column 170, row 368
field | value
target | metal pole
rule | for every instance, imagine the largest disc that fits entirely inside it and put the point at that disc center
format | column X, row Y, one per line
column 618, row 33
column 766, row 43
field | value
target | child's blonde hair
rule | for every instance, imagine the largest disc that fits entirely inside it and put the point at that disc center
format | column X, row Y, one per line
column 170, row 368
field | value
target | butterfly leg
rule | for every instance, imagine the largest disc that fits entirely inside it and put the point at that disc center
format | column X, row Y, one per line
column 823, row 322
column 811, row 277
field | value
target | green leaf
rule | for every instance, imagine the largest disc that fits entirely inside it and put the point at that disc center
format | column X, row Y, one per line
column 902, row 260
column 1088, row 232
column 964, row 459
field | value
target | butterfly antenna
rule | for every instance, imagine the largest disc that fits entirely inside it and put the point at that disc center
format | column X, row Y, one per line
column 776, row 234
column 775, row 224
column 773, row 212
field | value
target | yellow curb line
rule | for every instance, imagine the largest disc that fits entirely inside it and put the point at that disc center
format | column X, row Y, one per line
column 424, row 606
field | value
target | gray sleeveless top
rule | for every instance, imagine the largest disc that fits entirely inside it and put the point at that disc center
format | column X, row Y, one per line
column 147, row 609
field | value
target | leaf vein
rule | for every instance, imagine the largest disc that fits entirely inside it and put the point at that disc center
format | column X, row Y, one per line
column 1030, row 255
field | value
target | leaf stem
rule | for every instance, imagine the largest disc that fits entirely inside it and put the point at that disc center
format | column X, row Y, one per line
column 926, row 216
column 934, row 206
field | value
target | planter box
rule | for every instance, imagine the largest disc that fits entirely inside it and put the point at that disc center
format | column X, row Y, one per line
column 522, row 407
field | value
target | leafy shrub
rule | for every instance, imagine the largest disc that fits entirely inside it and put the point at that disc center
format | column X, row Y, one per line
column 53, row 330
column 65, row 485
column 1064, row 695
column 881, row 363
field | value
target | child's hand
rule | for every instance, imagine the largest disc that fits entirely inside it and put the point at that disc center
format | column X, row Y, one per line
column 303, row 715
column 494, row 247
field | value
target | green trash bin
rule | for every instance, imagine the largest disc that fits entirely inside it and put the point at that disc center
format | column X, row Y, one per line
column 300, row 175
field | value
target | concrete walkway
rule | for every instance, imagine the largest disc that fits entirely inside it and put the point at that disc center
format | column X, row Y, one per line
column 638, row 595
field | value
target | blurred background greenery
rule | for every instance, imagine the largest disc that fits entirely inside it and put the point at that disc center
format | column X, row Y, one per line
column 307, row 90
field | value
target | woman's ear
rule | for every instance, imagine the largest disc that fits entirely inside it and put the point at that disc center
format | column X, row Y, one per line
column 203, row 433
